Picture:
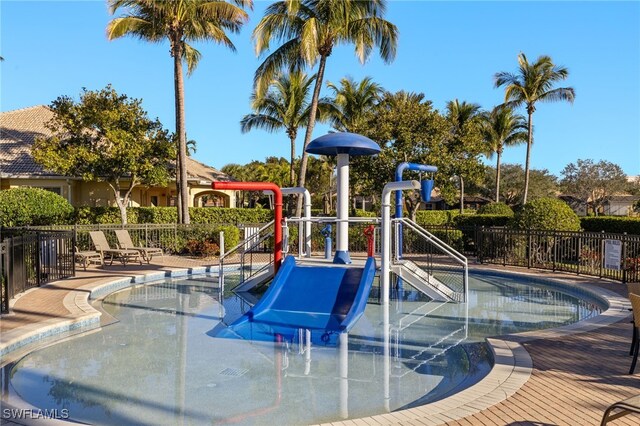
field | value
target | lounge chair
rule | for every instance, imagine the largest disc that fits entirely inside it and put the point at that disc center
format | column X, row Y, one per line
column 124, row 242
column 102, row 246
column 85, row 257
column 633, row 288
column 627, row 406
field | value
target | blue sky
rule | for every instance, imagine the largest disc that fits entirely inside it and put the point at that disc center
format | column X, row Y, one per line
column 446, row 50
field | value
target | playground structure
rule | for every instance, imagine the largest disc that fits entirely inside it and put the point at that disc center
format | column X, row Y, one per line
column 317, row 292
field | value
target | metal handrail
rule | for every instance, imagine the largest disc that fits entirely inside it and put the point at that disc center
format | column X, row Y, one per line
column 243, row 242
column 442, row 246
column 321, row 219
column 437, row 241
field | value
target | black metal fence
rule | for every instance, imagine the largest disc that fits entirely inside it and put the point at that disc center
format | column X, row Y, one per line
column 33, row 258
column 581, row 253
column 578, row 252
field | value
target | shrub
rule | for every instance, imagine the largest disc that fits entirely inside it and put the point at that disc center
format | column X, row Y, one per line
column 364, row 213
column 549, row 214
column 613, row 224
column 102, row 215
column 33, row 206
column 486, row 220
column 106, row 215
column 227, row 215
column 432, row 217
column 202, row 248
column 496, row 209
column 156, row 214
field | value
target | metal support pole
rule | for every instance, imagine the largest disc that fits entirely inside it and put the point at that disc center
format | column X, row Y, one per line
column 342, row 211
column 307, row 216
column 386, row 233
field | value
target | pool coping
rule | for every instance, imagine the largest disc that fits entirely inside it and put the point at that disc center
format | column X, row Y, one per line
column 513, row 364
column 511, row 370
column 84, row 316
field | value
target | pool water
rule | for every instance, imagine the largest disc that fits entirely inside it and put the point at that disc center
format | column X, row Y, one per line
column 162, row 362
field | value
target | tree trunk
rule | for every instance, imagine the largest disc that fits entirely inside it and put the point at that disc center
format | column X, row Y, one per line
column 292, row 173
column 498, row 177
column 526, row 163
column 178, row 193
column 312, row 121
column 461, row 194
column 180, row 130
column 121, row 202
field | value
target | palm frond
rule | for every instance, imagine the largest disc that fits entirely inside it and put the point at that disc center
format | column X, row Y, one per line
column 260, row 121
column 560, row 94
column 191, row 56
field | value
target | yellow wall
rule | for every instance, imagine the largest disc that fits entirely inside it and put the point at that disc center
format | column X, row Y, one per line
column 100, row 194
column 63, row 185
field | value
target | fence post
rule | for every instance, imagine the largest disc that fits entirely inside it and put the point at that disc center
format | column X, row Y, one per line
column 38, row 254
column 4, row 273
column 504, row 246
column 146, row 235
column 601, row 253
column 579, row 254
column 555, row 249
column 528, row 248
column 624, row 258
column 479, row 243
column 73, row 254
column 175, row 237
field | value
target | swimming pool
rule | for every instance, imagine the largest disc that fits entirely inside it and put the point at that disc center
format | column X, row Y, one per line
column 162, row 362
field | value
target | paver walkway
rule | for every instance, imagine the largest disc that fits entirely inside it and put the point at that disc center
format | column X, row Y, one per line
column 574, row 378
column 45, row 303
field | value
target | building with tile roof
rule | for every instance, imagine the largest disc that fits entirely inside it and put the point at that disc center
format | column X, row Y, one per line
column 19, row 130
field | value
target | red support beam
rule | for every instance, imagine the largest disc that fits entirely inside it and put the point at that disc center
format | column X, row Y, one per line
column 277, row 225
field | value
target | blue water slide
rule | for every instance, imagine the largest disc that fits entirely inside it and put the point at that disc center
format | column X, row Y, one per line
column 327, row 298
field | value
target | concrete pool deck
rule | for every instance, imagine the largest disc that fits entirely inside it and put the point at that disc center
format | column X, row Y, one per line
column 560, row 376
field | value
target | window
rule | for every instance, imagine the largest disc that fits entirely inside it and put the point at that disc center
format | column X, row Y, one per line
column 54, row 189
column 154, row 200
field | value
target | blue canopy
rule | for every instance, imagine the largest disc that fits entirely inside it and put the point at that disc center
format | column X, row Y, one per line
column 343, row 143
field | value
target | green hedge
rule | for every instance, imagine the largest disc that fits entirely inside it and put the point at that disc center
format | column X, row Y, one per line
column 486, row 220
column 549, row 214
column 33, row 206
column 496, row 209
column 435, row 217
column 613, row 224
column 104, row 215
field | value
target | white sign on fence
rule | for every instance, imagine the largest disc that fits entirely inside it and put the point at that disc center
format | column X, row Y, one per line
column 612, row 254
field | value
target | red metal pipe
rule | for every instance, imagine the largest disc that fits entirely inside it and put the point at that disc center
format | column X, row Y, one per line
column 277, row 223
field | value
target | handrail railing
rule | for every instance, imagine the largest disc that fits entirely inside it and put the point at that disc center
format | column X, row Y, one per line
column 425, row 257
column 246, row 250
column 437, row 241
column 243, row 242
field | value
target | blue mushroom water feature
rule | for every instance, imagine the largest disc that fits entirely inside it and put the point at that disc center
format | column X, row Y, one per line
column 342, row 145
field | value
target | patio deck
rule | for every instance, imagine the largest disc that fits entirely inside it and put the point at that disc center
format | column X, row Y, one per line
column 573, row 378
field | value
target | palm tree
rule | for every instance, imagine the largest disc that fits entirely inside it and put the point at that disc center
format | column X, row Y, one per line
column 309, row 30
column 534, row 82
column 353, row 100
column 501, row 128
column 461, row 116
column 285, row 106
column 180, row 22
